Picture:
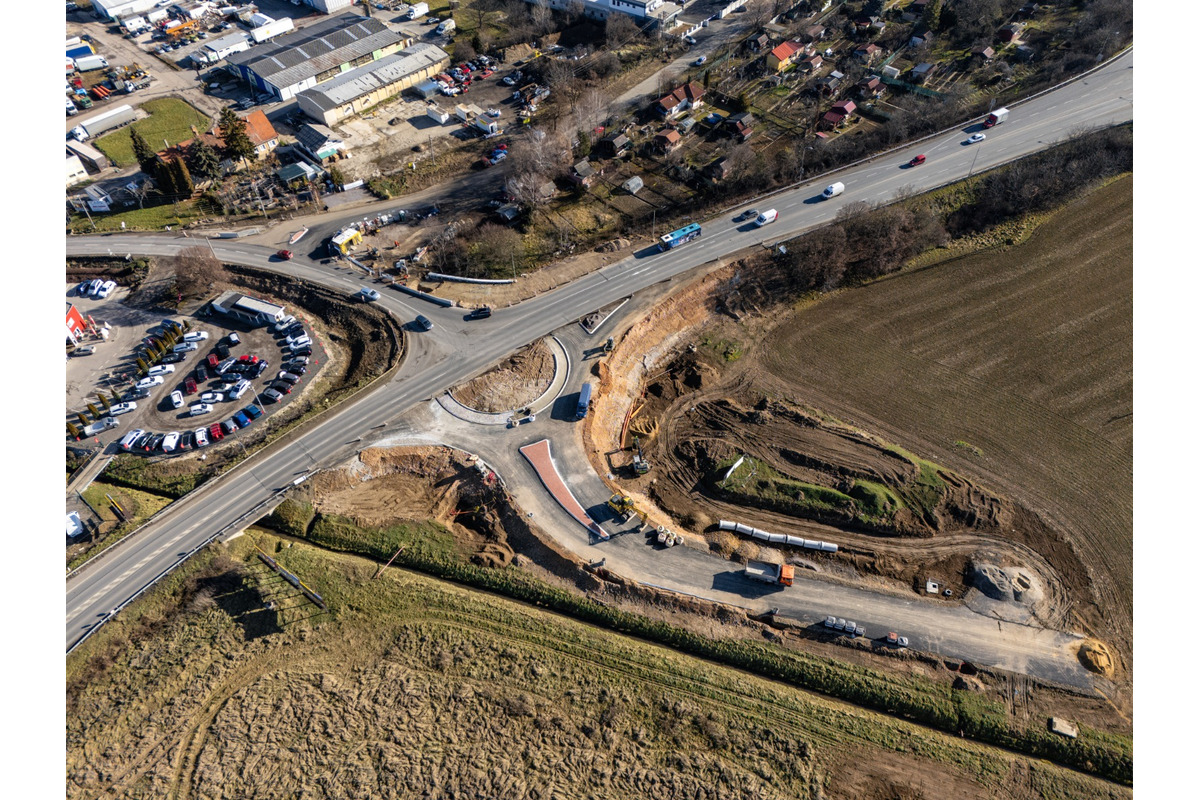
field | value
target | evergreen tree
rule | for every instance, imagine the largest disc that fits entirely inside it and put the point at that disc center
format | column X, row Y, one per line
column 205, row 161
column 933, row 15
column 233, row 131
column 165, row 178
column 142, row 151
column 183, row 178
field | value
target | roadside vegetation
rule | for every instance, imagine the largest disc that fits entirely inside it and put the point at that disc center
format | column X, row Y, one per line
column 170, row 119
column 225, row 643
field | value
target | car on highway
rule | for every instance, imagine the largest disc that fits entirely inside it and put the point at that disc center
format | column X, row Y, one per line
column 128, row 439
column 483, row 312
column 917, row 161
column 368, row 294
column 176, row 399
column 86, row 350
column 151, row 382
column 284, row 255
column 423, row 322
column 748, row 214
column 161, row 369
column 200, row 409
column 195, row 336
column 122, row 408
column 169, row 441
column 976, row 137
column 201, row 437
column 212, row 397
column 700, row 61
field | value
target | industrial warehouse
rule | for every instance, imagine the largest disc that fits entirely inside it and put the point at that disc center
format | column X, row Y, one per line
column 369, row 85
column 316, row 54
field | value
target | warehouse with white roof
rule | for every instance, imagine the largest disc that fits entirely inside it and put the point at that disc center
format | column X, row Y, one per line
column 350, row 93
column 315, row 54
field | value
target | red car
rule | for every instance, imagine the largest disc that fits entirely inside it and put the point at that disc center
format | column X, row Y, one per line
column 189, row 386
column 213, row 360
column 916, row 161
column 284, row 255
column 487, row 73
column 215, row 433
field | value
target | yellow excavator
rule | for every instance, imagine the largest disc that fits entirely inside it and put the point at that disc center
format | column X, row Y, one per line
column 624, row 506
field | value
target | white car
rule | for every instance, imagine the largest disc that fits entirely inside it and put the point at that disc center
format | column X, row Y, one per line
column 283, row 323
column 830, row 622
column 151, row 382
column 201, row 437
column 162, row 369
column 94, row 289
column 128, row 439
column 239, row 390
column 296, row 344
column 185, row 347
column 851, row 628
column 690, row 39
column 177, row 399
column 195, row 336
column 368, row 294
column 86, row 350
column 976, row 137
column 200, row 409
column 700, row 61
column 169, row 441
column 122, row 408
column 106, row 289
column 212, row 397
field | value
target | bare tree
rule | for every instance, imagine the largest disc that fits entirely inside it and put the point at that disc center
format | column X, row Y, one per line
column 197, row 271
column 759, row 12
column 619, row 29
column 541, row 15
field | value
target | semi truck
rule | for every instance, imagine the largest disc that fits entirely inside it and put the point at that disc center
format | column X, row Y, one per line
column 585, row 399
column 94, row 126
column 996, row 117
column 779, row 574
column 89, row 63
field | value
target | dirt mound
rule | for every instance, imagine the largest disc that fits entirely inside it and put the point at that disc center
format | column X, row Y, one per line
column 515, row 383
column 1095, row 656
column 1009, row 584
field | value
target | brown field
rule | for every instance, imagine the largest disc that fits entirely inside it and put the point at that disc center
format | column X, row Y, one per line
column 1024, row 354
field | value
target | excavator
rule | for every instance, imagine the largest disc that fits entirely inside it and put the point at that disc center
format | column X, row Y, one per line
column 640, row 465
column 623, row 505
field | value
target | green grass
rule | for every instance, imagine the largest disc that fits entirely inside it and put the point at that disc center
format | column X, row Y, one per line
column 766, row 486
column 925, row 493
column 875, row 499
column 170, row 119
column 153, row 218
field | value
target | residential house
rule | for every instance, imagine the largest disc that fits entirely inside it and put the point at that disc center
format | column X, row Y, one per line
column 865, row 25
column 546, row 191
column 1011, row 32
column 320, row 142
column 296, row 175
column 718, row 170
column 684, row 126
column 783, row 55
column 261, row 132
column 582, row 173
column 812, row 63
column 741, row 126
column 921, row 72
column 839, row 114
column 983, row 52
column 1025, row 52
column 815, row 33
column 759, row 43
column 667, row 140
column 615, row 146
column 683, row 98
column 868, row 53
column 1028, row 10
column 830, row 84
column 923, row 39
column 870, row 86
column 918, row 6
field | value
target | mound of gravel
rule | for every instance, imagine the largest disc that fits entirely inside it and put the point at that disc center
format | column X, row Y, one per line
column 1007, row 584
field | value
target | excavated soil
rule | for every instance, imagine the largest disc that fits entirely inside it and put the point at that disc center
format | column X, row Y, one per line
column 514, row 383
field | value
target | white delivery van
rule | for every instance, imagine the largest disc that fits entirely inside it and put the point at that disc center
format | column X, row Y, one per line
column 833, row 190
column 766, row 217
column 447, row 26
column 419, row 10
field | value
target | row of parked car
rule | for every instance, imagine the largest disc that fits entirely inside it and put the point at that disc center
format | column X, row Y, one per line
column 176, row 441
column 97, row 288
column 855, row 630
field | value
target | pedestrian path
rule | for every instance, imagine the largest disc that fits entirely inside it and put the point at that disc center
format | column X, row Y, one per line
column 562, row 370
column 538, row 454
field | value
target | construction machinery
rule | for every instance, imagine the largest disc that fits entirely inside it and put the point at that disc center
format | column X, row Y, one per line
column 640, row 465
column 623, row 506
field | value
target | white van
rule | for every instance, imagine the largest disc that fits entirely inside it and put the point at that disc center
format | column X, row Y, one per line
column 767, row 217
column 447, row 26
column 833, row 190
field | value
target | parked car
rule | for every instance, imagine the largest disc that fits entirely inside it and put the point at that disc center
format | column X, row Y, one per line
column 258, row 370
column 86, row 350
column 896, row 640
column 173, row 358
column 152, row 381
column 222, row 350
column 106, row 289
column 296, row 369
column 229, row 426
column 298, row 361
column 186, row 441
column 424, row 323
column 140, row 442
column 177, row 399
column 195, row 336
column 200, row 409
column 161, row 369
column 240, row 389
column 201, row 374
column 251, row 359
column 281, row 387
column 283, row 323
column 224, row 366
column 154, row 442
column 169, row 441
column 122, row 408
column 136, row 393
column 212, row 397
column 271, row 395
column 212, row 360
column 215, row 432
column 128, row 439
column 288, row 377
column 241, row 419
column 233, row 338
column 201, row 437
column 185, row 347
column 301, row 349
column 189, row 385
column 252, row 411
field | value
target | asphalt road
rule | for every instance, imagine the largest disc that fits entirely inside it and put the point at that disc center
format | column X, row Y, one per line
column 455, row 350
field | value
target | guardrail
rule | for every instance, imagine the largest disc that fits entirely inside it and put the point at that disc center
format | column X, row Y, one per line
column 441, row 301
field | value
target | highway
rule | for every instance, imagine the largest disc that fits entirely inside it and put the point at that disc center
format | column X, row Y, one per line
column 455, row 351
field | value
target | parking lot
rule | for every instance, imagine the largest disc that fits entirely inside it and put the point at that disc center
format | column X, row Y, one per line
column 231, row 366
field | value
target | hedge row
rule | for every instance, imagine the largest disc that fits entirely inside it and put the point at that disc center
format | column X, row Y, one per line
column 953, row 712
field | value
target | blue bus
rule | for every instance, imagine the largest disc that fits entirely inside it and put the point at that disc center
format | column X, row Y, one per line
column 585, row 399
column 673, row 239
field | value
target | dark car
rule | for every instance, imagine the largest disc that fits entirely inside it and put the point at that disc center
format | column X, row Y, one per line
column 233, row 339
column 424, row 323
column 483, row 312
column 136, row 394
column 295, row 369
column 241, row 419
column 294, row 330
column 173, row 358
column 154, row 442
column 303, row 351
column 140, row 442
column 281, row 387
column 288, row 377
column 252, row 411
column 222, row 351
column 259, row 369
column 187, row 441
column 201, row 374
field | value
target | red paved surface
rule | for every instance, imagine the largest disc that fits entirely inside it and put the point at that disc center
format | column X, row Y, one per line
column 538, row 454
